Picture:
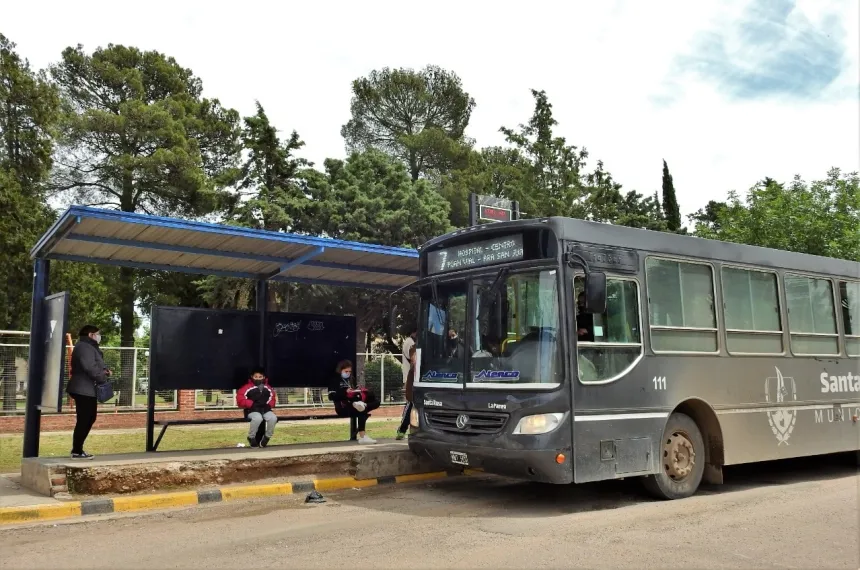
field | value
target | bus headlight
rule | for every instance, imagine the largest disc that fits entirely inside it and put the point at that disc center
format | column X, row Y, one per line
column 538, row 424
column 413, row 418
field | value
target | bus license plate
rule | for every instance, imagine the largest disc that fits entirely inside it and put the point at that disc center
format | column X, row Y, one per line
column 459, row 458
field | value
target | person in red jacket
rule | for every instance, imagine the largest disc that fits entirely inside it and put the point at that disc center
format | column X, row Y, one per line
column 257, row 398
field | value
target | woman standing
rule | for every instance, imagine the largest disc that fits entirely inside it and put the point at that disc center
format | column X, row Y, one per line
column 88, row 369
column 351, row 401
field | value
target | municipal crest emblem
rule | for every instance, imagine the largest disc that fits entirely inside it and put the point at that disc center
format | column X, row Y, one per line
column 780, row 389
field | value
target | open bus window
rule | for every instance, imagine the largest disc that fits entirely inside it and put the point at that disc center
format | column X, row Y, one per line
column 515, row 337
column 850, row 294
column 609, row 344
column 443, row 350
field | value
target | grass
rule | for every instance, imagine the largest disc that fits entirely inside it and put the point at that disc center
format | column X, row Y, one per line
column 179, row 438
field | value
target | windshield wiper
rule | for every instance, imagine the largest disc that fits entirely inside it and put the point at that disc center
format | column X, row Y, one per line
column 493, row 289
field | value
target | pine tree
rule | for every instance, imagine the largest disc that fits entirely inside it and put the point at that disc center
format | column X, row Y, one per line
column 670, row 202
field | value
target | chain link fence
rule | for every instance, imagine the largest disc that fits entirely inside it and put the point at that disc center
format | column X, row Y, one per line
column 382, row 373
column 130, row 367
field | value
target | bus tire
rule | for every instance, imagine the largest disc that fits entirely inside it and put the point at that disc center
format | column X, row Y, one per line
column 682, row 460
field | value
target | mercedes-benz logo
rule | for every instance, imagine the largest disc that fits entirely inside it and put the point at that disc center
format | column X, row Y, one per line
column 462, row 421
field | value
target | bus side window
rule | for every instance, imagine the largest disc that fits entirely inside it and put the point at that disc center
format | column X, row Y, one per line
column 681, row 306
column 811, row 315
column 751, row 308
column 613, row 342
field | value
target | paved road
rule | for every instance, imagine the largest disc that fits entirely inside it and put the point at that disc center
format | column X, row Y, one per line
column 800, row 514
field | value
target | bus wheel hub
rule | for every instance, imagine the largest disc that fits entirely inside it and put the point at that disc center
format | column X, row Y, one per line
column 678, row 456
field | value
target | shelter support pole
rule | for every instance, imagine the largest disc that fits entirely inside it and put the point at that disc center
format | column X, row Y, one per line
column 36, row 359
column 262, row 305
column 150, row 389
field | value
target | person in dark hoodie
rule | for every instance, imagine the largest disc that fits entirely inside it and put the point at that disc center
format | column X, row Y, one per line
column 407, row 409
column 257, row 398
column 351, row 401
column 87, row 370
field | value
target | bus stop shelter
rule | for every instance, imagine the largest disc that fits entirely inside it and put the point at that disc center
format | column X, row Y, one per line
column 122, row 239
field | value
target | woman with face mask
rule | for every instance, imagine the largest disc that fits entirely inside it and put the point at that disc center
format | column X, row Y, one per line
column 351, row 401
column 87, row 370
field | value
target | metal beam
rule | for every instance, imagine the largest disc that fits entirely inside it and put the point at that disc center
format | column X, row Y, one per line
column 315, row 252
column 36, row 368
column 235, row 254
column 150, row 266
column 333, row 283
column 262, row 299
column 203, row 271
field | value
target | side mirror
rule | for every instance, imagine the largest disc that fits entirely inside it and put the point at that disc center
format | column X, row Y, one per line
column 595, row 293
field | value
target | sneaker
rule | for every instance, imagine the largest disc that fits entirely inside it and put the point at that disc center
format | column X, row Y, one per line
column 366, row 440
column 253, row 442
column 82, row 455
column 400, row 436
column 264, row 442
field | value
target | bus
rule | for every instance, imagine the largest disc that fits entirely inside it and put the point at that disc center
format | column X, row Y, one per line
column 559, row 350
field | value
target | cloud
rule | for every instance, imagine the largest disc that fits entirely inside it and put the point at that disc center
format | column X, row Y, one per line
column 628, row 79
column 772, row 50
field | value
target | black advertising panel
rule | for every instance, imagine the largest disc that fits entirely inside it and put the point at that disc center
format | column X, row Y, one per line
column 202, row 349
column 56, row 324
column 476, row 254
column 303, row 349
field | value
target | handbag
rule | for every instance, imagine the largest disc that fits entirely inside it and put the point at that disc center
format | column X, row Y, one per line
column 104, row 392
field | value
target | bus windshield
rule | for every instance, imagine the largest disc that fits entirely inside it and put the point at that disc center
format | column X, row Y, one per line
column 515, row 329
column 443, row 312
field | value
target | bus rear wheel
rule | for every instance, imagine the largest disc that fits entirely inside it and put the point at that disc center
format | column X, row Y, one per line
column 682, row 460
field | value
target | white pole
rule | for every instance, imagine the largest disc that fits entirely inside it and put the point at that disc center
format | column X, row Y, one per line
column 382, row 379
column 134, row 378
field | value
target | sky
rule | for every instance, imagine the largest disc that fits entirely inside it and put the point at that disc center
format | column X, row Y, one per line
column 728, row 92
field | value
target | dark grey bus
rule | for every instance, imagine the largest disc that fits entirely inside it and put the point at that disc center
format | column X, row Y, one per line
column 558, row 350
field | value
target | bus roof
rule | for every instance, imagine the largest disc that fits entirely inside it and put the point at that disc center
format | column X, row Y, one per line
column 597, row 233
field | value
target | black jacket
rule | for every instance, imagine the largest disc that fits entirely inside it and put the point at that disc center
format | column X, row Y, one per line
column 343, row 394
column 88, row 368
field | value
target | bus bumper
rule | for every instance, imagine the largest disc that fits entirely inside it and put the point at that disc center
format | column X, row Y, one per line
column 539, row 465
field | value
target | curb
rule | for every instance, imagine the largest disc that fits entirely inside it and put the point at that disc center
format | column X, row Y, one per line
column 139, row 503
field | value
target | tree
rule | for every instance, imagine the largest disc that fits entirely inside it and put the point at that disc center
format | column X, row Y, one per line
column 137, row 135
column 554, row 185
column 270, row 196
column 370, row 198
column 670, row 202
column 707, row 219
column 418, row 117
column 819, row 218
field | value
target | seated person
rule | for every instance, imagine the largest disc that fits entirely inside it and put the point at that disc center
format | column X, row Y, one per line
column 351, row 401
column 257, row 398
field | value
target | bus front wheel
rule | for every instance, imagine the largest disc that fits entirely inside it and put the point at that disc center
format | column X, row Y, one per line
column 682, row 460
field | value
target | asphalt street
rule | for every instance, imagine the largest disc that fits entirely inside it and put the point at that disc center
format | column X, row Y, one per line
column 795, row 514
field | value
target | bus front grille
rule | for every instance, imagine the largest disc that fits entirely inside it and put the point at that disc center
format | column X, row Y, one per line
column 469, row 422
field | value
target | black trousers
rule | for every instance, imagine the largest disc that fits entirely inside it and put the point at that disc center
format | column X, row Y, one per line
column 86, row 408
column 404, row 419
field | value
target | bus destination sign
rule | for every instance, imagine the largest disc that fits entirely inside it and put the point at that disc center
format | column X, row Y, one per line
column 477, row 254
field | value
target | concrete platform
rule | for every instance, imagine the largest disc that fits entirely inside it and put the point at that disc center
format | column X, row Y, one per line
column 142, row 472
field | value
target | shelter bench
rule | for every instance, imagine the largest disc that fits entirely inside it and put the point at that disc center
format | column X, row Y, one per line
column 353, row 424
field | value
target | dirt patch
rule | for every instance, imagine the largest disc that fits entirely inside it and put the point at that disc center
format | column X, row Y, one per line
column 172, row 475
